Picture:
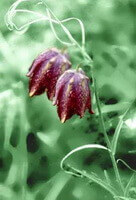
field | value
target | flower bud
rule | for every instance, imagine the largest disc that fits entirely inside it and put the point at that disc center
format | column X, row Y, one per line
column 72, row 95
column 45, row 71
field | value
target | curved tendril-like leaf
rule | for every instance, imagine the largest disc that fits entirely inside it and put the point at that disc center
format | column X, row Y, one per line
column 53, row 30
column 81, row 26
column 67, row 31
column 11, row 14
column 64, row 28
column 87, row 146
column 120, row 160
column 13, row 11
column 83, row 174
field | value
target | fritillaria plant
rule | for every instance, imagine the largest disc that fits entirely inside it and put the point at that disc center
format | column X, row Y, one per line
column 69, row 90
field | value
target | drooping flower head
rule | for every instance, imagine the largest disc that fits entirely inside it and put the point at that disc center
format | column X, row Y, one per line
column 73, row 94
column 45, row 71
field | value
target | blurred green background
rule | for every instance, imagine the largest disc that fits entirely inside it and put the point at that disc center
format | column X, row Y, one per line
column 32, row 139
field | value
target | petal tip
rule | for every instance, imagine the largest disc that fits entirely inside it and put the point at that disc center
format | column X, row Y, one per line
column 63, row 119
column 28, row 74
column 31, row 93
column 54, row 102
column 91, row 112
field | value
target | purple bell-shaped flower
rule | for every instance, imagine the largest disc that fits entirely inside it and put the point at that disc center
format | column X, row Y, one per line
column 73, row 95
column 45, row 71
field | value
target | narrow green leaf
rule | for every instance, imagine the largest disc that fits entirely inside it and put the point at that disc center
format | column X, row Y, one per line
column 132, row 179
column 107, row 177
column 116, row 136
column 117, row 131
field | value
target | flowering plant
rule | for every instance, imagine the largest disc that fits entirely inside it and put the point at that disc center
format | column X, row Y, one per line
column 70, row 92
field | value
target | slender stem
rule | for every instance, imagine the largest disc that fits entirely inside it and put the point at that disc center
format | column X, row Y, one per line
column 116, row 171
column 100, row 114
column 86, row 56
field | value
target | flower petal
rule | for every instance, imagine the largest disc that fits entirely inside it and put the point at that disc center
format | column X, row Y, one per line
column 72, row 94
column 45, row 71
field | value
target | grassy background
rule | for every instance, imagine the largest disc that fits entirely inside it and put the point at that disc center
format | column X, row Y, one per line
column 32, row 139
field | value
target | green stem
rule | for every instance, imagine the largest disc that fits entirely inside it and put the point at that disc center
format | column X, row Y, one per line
column 86, row 56
column 100, row 114
column 106, row 136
